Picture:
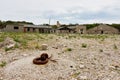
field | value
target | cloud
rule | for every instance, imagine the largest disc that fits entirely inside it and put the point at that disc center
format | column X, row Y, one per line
column 67, row 11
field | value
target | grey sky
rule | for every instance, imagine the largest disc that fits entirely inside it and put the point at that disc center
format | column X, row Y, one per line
column 66, row 11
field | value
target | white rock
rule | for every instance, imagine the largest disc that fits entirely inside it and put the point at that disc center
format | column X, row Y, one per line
column 83, row 77
column 14, row 59
column 10, row 46
column 73, row 79
column 107, row 79
column 112, row 67
column 64, row 55
column 24, row 55
column 1, row 78
column 81, row 66
column 78, row 59
column 65, row 45
column 44, row 46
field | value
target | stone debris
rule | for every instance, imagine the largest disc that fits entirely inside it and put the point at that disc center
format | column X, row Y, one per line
column 81, row 66
column 10, row 46
column 83, row 77
column 44, row 46
column 24, row 55
column 78, row 64
column 25, row 66
column 8, row 43
column 1, row 78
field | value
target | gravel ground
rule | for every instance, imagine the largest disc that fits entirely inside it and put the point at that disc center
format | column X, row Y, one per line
column 99, row 60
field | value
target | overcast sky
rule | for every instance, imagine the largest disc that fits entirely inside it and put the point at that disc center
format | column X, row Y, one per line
column 65, row 11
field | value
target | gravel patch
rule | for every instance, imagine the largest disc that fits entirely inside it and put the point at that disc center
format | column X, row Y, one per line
column 24, row 69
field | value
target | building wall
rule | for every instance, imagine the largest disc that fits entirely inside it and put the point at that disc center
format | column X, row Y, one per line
column 13, row 28
column 63, row 31
column 103, row 29
column 80, row 29
column 38, row 30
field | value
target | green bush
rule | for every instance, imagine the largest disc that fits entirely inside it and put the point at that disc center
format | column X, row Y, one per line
column 101, row 50
column 7, row 49
column 84, row 45
column 3, row 63
column 115, row 46
column 68, row 49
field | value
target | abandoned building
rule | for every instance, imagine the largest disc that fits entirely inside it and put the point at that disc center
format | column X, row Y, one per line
column 103, row 29
column 64, row 30
column 100, row 29
column 13, row 28
column 38, row 28
column 72, row 29
column 28, row 28
column 80, row 29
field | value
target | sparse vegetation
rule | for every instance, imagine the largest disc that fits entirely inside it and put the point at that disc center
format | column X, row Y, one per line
column 115, row 46
column 84, row 45
column 76, row 56
column 37, row 47
column 76, row 74
column 101, row 50
column 1, row 39
column 68, row 49
column 94, row 36
column 89, row 26
column 72, row 36
column 7, row 49
column 16, row 46
column 24, row 38
column 3, row 63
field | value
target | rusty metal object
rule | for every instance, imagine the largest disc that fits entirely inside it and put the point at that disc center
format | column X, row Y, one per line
column 43, row 59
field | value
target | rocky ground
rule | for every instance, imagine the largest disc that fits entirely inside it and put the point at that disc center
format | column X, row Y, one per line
column 77, row 58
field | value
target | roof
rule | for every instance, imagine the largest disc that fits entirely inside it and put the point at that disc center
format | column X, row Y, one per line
column 103, row 27
column 37, row 26
column 14, row 25
column 64, row 28
column 72, row 27
column 82, row 26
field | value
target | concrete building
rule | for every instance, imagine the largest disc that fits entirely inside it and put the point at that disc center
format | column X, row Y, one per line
column 64, row 30
column 38, row 28
column 13, row 28
column 103, row 29
column 28, row 28
column 80, row 29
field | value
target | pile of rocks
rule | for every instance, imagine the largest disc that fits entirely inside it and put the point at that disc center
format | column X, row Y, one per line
column 8, row 43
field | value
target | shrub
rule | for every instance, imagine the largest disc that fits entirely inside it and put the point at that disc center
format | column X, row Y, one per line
column 115, row 46
column 3, row 63
column 101, row 50
column 37, row 47
column 68, row 49
column 84, row 45
column 7, row 49
column 76, row 74
column 16, row 46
